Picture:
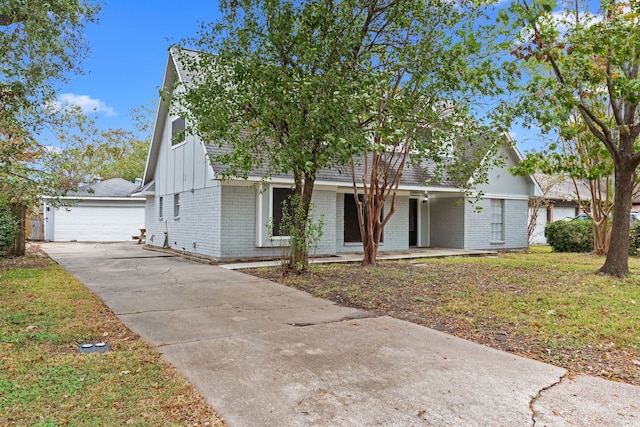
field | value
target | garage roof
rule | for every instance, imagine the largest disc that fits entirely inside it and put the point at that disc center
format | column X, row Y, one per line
column 114, row 187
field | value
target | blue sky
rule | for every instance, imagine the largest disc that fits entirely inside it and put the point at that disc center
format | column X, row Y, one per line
column 128, row 55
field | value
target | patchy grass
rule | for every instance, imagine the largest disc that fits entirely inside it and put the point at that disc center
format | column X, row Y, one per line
column 44, row 381
column 541, row 305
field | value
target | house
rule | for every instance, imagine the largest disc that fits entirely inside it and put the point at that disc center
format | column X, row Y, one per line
column 188, row 208
column 104, row 211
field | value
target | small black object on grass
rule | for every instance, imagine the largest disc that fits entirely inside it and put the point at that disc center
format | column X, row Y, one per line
column 98, row 347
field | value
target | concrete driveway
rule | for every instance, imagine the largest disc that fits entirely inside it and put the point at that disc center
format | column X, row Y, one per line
column 263, row 354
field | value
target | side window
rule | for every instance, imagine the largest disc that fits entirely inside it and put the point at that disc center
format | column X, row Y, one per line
column 176, row 205
column 280, row 200
column 160, row 208
column 177, row 131
column 497, row 220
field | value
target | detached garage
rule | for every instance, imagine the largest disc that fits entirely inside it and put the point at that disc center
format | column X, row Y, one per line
column 103, row 211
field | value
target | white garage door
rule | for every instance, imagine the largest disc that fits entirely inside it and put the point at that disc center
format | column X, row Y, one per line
column 97, row 223
column 562, row 212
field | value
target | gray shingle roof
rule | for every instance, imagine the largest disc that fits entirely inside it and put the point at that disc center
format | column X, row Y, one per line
column 412, row 175
column 190, row 55
column 560, row 187
column 114, row 187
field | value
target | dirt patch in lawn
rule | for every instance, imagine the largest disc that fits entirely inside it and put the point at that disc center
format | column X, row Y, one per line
column 34, row 258
column 538, row 307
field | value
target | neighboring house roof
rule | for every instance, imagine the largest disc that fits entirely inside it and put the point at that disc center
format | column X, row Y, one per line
column 110, row 188
column 562, row 188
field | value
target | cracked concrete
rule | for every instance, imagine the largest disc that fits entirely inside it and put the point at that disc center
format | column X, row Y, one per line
column 588, row 402
column 539, row 394
column 239, row 340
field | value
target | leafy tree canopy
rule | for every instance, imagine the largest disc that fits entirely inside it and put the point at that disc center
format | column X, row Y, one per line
column 585, row 62
column 41, row 43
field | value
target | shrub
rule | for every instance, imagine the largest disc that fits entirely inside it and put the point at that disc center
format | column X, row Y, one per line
column 8, row 228
column 634, row 238
column 570, row 236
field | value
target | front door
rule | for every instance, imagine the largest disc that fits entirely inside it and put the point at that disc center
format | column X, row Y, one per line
column 413, row 222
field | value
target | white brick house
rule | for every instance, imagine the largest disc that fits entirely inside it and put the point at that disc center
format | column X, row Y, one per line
column 190, row 209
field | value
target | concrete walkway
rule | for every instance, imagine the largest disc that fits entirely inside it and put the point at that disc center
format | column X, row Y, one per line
column 263, row 354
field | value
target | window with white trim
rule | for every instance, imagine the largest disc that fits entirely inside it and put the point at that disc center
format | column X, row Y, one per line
column 497, row 220
column 177, row 130
column 160, row 207
column 176, row 205
column 280, row 199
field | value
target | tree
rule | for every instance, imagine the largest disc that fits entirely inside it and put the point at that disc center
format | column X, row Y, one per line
column 41, row 43
column 578, row 62
column 273, row 82
column 87, row 152
column 296, row 87
column 428, row 73
column 585, row 162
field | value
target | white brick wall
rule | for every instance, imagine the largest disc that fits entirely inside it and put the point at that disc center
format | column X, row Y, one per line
column 196, row 230
column 396, row 232
column 221, row 222
column 239, row 233
column 478, row 225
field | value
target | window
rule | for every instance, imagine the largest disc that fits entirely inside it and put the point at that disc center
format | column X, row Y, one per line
column 176, row 205
column 281, row 199
column 497, row 220
column 351, row 224
column 177, row 131
column 160, row 207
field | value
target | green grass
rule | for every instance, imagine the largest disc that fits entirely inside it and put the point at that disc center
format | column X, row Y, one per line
column 544, row 305
column 45, row 381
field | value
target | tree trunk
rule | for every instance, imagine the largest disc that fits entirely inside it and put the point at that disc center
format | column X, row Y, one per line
column 299, row 260
column 370, row 249
column 617, row 262
column 600, row 236
column 19, row 212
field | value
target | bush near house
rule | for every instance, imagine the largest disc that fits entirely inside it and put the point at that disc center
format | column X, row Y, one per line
column 8, row 228
column 570, row 236
column 634, row 238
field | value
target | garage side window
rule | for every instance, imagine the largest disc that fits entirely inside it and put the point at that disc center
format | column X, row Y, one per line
column 176, row 205
column 160, row 207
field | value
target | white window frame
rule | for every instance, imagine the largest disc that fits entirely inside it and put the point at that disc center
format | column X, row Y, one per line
column 176, row 205
column 160, row 208
column 272, row 206
column 497, row 220
column 174, row 131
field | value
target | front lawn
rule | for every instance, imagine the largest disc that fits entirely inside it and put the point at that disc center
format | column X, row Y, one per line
column 45, row 381
column 541, row 305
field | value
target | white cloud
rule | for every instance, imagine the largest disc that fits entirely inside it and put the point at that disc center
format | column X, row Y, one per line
column 86, row 103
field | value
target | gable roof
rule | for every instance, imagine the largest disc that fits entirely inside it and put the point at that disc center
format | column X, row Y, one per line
column 170, row 75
